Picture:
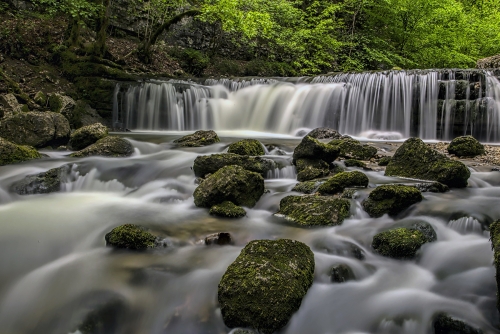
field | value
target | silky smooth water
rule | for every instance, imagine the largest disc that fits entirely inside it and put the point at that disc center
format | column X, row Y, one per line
column 55, row 267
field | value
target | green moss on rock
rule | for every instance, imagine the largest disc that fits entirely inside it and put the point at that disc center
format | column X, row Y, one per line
column 420, row 225
column 341, row 273
column 110, row 146
column 130, row 236
column 400, row 243
column 11, row 153
column 465, row 146
column 87, row 135
column 309, row 169
column 230, row 183
column 354, row 163
column 228, row 209
column 310, row 210
column 337, row 183
column 433, row 187
column 324, row 133
column 384, row 161
column 495, row 245
column 209, row 164
column 311, row 148
column 352, row 149
column 307, row 187
column 444, row 324
column 265, row 285
column 198, row 139
column 391, row 199
column 416, row 160
column 42, row 183
column 247, row 147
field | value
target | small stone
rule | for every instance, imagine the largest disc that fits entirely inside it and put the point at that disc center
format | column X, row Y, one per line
column 130, row 236
column 337, row 183
column 198, row 139
column 466, row 146
column 324, row 133
column 110, row 146
column 400, row 243
column 391, row 199
column 342, row 273
column 246, row 147
column 227, row 209
column 87, row 135
column 221, row 239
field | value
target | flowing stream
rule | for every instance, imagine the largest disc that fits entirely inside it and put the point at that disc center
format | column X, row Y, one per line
column 55, row 268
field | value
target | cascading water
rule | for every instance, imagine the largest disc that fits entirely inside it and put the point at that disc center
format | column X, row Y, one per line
column 381, row 105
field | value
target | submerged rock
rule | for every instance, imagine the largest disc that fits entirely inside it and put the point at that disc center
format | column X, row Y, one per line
column 444, row 324
column 342, row 273
column 495, row 245
column 400, row 243
column 37, row 129
column 110, row 146
column 230, row 183
column 42, row 183
column 11, row 153
column 324, row 133
column 246, row 147
column 311, row 148
column 307, row 187
column 198, row 139
column 391, row 199
column 310, row 210
column 209, row 164
column 265, row 285
column 87, row 135
column 221, row 239
column 130, row 236
column 309, row 169
column 228, row 209
column 416, row 160
column 352, row 149
column 105, row 318
column 465, row 146
column 433, row 187
column 337, row 183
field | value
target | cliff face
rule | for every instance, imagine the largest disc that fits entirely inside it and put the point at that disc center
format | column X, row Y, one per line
column 490, row 62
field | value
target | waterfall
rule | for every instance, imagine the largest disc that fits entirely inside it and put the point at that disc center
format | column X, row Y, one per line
column 430, row 104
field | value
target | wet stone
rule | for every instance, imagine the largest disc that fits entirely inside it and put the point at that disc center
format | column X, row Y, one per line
column 221, row 239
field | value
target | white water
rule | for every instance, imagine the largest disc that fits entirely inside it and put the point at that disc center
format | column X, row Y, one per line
column 55, row 268
column 398, row 102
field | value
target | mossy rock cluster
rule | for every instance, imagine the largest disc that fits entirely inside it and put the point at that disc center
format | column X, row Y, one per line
column 324, row 133
column 247, row 147
column 131, row 236
column 400, row 243
column 37, row 129
column 110, row 146
column 309, row 169
column 311, row 148
column 307, row 187
column 495, row 245
column 341, row 273
column 337, row 183
column 465, row 146
column 310, row 210
column 444, row 324
column 227, row 209
column 87, row 135
column 352, row 149
column 42, row 183
column 230, row 183
column 11, row 153
column 391, row 199
column 209, row 164
column 416, row 160
column 265, row 285
column 198, row 139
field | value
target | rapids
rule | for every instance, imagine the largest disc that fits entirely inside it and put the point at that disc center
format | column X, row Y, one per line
column 55, row 268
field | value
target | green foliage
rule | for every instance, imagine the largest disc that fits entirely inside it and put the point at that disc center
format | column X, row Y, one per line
column 193, row 61
column 77, row 9
column 262, row 68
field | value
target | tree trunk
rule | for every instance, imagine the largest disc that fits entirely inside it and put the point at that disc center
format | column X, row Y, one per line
column 101, row 29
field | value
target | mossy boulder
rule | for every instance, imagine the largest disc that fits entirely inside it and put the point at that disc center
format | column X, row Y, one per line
column 265, row 285
column 209, row 164
column 341, row 273
column 308, row 169
column 495, row 245
column 37, row 129
column 384, row 161
column 416, row 160
column 247, row 147
column 227, row 209
column 230, row 183
column 61, row 104
column 324, row 133
column 420, row 225
column 110, row 146
column 87, row 135
column 354, row 163
column 82, row 115
column 310, row 210
column 11, row 153
column 400, row 243
column 433, row 187
column 198, row 139
column 337, row 183
column 130, row 236
column 311, row 148
column 352, row 149
column 42, row 183
column 391, row 199
column 307, row 187
column 444, row 324
column 40, row 98
column 465, row 146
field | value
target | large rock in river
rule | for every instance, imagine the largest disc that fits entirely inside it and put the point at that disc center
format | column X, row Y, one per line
column 37, row 129
column 230, row 183
column 208, row 164
column 110, row 146
column 246, row 147
column 400, row 243
column 11, row 153
column 416, row 160
column 310, row 210
column 311, row 148
column 337, row 183
column 265, row 285
column 352, row 149
column 198, row 139
column 308, row 169
column 391, row 199
column 465, row 146
column 132, row 237
column 42, row 183
column 87, row 135
column 324, row 133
